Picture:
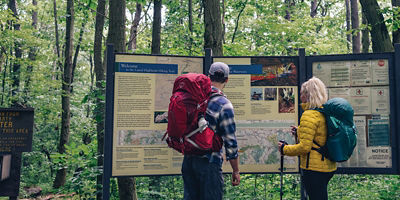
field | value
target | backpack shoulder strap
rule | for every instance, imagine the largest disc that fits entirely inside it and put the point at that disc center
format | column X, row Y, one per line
column 319, row 110
column 215, row 95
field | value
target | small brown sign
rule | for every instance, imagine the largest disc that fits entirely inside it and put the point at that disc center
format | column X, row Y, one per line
column 16, row 129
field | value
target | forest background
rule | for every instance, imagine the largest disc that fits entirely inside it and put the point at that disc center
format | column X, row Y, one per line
column 52, row 59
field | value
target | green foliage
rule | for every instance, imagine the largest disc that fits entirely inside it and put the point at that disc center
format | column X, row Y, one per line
column 267, row 186
column 81, row 160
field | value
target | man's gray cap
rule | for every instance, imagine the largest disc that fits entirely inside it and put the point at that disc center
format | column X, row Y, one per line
column 219, row 67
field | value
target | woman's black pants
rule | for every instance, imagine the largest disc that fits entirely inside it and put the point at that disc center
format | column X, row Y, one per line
column 316, row 184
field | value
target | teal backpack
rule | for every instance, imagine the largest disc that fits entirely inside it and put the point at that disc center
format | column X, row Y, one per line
column 342, row 133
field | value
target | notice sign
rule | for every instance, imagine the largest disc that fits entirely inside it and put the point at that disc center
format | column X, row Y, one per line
column 16, row 128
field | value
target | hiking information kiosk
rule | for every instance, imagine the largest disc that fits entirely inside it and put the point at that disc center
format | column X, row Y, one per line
column 264, row 93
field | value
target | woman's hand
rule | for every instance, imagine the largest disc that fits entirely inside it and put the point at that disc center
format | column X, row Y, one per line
column 281, row 144
column 294, row 131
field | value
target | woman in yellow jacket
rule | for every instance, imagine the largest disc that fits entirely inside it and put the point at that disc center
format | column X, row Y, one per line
column 316, row 169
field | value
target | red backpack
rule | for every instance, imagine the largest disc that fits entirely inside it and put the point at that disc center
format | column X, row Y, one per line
column 188, row 103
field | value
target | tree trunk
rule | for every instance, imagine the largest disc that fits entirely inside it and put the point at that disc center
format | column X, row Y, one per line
column 127, row 188
column 289, row 5
column 396, row 33
column 91, row 88
column 66, row 91
column 213, row 27
column 156, row 34
column 237, row 21
column 223, row 21
column 365, row 35
column 99, row 111
column 134, row 27
column 12, row 5
column 58, row 50
column 379, row 33
column 155, row 49
column 190, row 9
column 31, row 54
column 348, row 24
column 77, row 49
column 116, row 36
column 116, row 33
column 355, row 25
column 313, row 9
column 3, row 84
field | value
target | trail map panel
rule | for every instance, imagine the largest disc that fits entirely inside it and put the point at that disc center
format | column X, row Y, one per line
column 263, row 92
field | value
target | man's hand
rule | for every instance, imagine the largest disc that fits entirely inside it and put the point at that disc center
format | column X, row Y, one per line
column 235, row 178
column 235, row 171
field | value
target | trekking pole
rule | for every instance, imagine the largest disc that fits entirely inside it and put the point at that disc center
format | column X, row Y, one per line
column 303, row 195
column 282, row 157
column 281, row 193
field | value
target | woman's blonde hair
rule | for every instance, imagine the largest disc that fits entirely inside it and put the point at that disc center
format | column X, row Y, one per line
column 315, row 91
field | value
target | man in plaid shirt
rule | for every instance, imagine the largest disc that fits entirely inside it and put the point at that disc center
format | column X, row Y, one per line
column 202, row 175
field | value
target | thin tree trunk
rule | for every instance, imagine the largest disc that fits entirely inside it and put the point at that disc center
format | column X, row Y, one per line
column 66, row 91
column 58, row 50
column 313, row 9
column 77, row 49
column 396, row 33
column 213, row 26
column 355, row 25
column 12, row 5
column 31, row 55
column 237, row 21
column 348, row 24
column 223, row 21
column 190, row 9
column 99, row 111
column 134, row 28
column 290, row 4
column 156, row 34
column 379, row 34
column 365, row 35
column 3, row 93
column 91, row 83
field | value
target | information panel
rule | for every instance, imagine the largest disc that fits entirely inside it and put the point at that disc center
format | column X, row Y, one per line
column 365, row 84
column 143, row 86
column 263, row 92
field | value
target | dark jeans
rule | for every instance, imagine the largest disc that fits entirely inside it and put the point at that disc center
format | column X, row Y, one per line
column 316, row 184
column 202, row 180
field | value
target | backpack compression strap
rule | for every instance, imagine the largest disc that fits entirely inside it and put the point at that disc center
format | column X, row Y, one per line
column 201, row 128
column 323, row 150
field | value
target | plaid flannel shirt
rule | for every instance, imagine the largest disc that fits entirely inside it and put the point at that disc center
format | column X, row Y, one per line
column 220, row 117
